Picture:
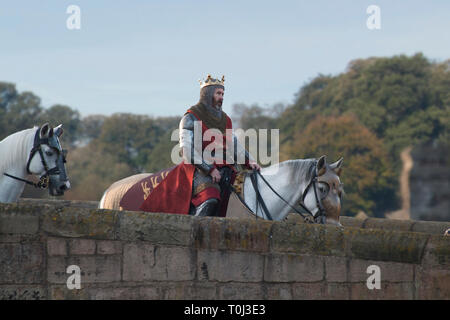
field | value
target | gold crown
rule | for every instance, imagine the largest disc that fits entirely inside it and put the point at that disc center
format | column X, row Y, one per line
column 211, row 82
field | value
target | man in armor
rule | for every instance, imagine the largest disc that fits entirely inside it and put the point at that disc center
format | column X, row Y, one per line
column 208, row 192
column 199, row 184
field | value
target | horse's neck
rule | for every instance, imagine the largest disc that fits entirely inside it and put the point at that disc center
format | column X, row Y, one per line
column 285, row 181
column 14, row 152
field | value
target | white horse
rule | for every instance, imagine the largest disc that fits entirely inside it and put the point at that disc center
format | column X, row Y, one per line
column 293, row 180
column 34, row 151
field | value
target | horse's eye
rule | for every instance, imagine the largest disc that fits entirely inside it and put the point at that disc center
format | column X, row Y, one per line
column 323, row 188
column 49, row 153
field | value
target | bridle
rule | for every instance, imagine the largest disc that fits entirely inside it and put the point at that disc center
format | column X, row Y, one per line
column 321, row 216
column 310, row 218
column 44, row 180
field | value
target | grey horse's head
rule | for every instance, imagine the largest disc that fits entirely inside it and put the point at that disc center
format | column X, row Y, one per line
column 48, row 159
column 330, row 190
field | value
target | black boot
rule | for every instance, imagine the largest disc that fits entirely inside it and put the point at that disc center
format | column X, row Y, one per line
column 208, row 208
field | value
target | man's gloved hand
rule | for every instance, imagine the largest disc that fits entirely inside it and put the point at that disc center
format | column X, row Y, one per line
column 254, row 165
column 215, row 174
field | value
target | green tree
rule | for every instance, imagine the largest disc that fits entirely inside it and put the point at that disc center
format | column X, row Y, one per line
column 90, row 128
column 368, row 178
column 21, row 112
column 130, row 138
column 68, row 117
column 386, row 94
column 91, row 171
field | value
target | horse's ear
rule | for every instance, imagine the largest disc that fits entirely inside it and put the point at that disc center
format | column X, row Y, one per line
column 58, row 130
column 44, row 131
column 321, row 165
column 336, row 166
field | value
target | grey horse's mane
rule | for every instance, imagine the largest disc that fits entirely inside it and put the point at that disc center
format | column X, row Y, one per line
column 304, row 168
column 13, row 148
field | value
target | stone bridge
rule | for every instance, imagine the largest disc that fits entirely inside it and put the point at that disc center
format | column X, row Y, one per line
column 137, row 255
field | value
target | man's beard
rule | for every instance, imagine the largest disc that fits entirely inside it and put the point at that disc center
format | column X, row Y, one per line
column 217, row 105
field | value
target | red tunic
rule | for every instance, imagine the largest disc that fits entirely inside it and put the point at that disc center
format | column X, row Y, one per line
column 174, row 193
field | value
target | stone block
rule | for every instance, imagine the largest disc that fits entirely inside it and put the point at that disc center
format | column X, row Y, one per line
column 81, row 246
column 389, row 271
column 156, row 228
column 336, row 269
column 56, row 247
column 114, row 293
column 432, row 283
column 152, row 292
column 293, row 268
column 109, row 247
column 388, row 291
column 277, row 291
column 79, row 223
column 307, row 238
column 229, row 266
column 351, row 222
column 337, row 291
column 241, row 291
column 189, row 290
column 21, row 263
column 385, row 245
column 431, row 227
column 232, row 234
column 94, row 269
column 61, row 292
column 388, row 224
column 19, row 238
column 308, row 291
column 437, row 252
column 145, row 262
column 20, row 292
column 16, row 219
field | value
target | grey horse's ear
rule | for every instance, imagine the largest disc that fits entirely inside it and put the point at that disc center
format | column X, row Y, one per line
column 58, row 130
column 337, row 166
column 321, row 165
column 44, row 131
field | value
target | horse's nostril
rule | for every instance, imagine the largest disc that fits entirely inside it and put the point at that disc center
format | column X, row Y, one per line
column 63, row 187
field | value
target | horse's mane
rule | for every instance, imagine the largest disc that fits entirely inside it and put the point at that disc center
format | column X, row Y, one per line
column 14, row 148
column 303, row 168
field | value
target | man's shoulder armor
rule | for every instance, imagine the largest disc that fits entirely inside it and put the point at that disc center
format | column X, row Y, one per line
column 187, row 122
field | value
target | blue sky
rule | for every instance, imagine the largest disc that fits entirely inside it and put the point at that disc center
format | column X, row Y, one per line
column 146, row 57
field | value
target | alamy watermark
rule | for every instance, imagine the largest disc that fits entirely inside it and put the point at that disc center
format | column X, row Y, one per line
column 374, row 280
column 374, row 20
column 74, row 280
column 73, row 22
column 213, row 142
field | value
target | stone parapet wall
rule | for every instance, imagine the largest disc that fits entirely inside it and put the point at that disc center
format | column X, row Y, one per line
column 137, row 255
column 433, row 227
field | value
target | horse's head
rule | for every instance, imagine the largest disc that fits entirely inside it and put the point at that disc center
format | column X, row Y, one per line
column 328, row 191
column 47, row 159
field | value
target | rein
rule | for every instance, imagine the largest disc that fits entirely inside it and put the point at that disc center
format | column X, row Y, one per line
column 42, row 184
